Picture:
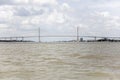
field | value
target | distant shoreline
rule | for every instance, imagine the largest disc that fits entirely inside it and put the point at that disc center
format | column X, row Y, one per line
column 15, row 41
column 71, row 41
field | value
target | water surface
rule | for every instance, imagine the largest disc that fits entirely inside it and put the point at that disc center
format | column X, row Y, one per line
column 60, row 61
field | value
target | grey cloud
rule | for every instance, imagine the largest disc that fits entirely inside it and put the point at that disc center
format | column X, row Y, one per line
column 22, row 12
column 28, row 12
column 3, row 21
column 6, row 2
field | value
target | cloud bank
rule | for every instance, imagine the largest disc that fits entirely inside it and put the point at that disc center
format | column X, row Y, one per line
column 94, row 17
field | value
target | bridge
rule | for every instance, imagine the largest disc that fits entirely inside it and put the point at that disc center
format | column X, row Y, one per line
column 22, row 38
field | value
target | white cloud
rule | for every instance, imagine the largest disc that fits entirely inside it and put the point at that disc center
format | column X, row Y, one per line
column 16, row 2
column 3, row 26
column 56, row 17
column 110, row 4
column 65, row 6
column 44, row 1
column 6, row 11
column 105, row 14
column 21, row 1
column 93, row 17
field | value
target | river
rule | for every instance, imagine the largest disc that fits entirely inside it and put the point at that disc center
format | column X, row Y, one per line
column 60, row 61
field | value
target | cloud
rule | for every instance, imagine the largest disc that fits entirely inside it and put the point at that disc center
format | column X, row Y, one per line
column 3, row 26
column 6, row 14
column 23, row 11
column 102, row 24
column 27, row 2
column 94, row 17
column 6, row 2
column 56, row 17
column 44, row 2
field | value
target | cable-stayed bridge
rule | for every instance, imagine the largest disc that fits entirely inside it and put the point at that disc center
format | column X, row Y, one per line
column 22, row 38
column 39, row 36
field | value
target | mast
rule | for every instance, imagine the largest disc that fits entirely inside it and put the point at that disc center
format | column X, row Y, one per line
column 77, row 34
column 39, row 35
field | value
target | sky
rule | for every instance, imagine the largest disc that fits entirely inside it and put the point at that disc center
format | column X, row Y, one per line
column 60, row 17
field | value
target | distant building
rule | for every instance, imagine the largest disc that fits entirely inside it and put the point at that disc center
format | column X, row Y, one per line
column 81, row 39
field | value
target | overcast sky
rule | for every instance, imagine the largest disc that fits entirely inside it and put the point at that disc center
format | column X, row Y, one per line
column 94, row 17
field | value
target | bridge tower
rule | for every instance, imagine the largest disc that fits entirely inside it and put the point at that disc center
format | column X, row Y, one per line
column 39, row 35
column 77, row 34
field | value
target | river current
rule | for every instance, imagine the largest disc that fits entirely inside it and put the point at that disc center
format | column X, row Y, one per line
column 60, row 61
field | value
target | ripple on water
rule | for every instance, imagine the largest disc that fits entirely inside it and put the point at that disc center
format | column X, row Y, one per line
column 59, row 62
